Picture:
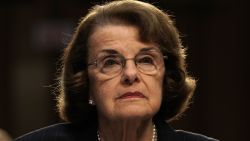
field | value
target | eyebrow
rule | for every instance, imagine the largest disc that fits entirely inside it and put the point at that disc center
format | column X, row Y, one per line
column 109, row 51
column 147, row 49
column 112, row 51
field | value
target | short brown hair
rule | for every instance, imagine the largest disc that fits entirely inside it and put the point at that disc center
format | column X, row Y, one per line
column 154, row 26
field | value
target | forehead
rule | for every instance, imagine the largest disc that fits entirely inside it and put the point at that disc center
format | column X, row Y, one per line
column 122, row 38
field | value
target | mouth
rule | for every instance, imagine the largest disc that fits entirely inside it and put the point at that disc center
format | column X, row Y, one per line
column 130, row 95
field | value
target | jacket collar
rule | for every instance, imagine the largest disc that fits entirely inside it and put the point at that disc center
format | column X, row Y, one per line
column 165, row 132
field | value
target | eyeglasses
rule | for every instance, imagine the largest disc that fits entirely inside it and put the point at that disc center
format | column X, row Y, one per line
column 147, row 62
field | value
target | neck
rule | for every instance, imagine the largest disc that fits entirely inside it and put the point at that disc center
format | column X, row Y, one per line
column 126, row 130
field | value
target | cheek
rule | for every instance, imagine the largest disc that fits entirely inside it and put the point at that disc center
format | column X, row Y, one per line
column 154, row 87
column 102, row 91
column 159, row 81
column 154, row 84
column 155, row 91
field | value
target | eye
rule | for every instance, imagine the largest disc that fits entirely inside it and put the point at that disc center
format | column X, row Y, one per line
column 145, row 60
column 110, row 61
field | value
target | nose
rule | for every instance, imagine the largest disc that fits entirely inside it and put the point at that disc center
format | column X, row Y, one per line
column 130, row 73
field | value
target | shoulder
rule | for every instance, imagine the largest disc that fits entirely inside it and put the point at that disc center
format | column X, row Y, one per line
column 190, row 136
column 166, row 132
column 61, row 131
column 52, row 132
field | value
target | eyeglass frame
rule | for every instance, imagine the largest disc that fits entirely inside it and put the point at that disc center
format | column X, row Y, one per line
column 124, row 61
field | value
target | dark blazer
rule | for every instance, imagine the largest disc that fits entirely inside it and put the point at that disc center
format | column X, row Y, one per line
column 71, row 132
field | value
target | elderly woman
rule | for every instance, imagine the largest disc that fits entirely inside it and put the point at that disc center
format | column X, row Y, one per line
column 123, row 76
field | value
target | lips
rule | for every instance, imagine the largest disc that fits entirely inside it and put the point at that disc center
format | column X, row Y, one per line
column 129, row 95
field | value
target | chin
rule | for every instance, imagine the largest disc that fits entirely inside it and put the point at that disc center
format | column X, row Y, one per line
column 135, row 113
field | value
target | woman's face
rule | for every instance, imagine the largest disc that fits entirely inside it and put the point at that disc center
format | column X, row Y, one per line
column 129, row 93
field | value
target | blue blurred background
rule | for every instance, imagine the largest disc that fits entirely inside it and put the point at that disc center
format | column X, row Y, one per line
column 34, row 33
